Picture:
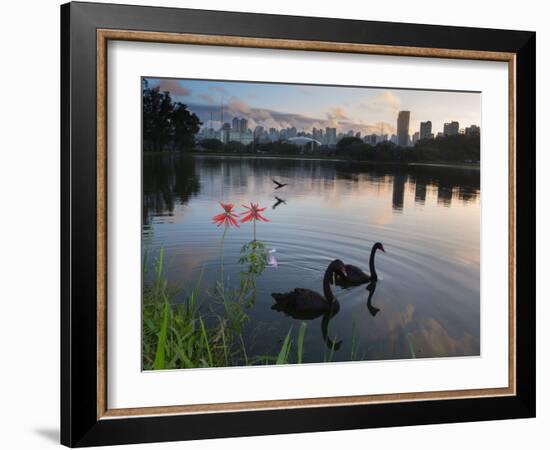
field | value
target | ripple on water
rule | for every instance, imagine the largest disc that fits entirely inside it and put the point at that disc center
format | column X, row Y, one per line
column 428, row 277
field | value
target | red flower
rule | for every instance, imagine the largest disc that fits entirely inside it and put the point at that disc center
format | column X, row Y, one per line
column 253, row 213
column 227, row 217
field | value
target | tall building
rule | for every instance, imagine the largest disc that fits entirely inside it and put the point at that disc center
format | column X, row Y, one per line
column 259, row 131
column 236, row 124
column 403, row 120
column 243, row 125
column 317, row 134
column 426, row 130
column 370, row 139
column 472, row 130
column 415, row 138
column 450, row 129
column 330, row 136
column 292, row 132
column 224, row 133
column 273, row 134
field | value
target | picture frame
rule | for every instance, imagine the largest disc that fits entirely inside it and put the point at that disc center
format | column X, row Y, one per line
column 86, row 29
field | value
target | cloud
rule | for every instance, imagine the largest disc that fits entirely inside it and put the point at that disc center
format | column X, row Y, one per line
column 269, row 118
column 337, row 113
column 386, row 101
column 174, row 87
column 207, row 98
column 383, row 128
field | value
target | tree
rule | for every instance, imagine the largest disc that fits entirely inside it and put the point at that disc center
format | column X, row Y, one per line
column 349, row 142
column 457, row 148
column 157, row 109
column 185, row 126
column 212, row 144
column 166, row 122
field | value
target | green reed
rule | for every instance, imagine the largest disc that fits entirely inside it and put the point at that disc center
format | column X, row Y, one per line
column 186, row 335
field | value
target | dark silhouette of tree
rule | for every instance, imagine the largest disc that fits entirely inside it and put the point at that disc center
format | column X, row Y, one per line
column 349, row 142
column 157, row 110
column 455, row 149
column 185, row 126
column 168, row 179
column 212, row 144
column 166, row 125
column 235, row 147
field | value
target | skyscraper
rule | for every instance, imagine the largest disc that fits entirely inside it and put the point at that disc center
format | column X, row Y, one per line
column 403, row 120
column 472, row 130
column 450, row 129
column 243, row 125
column 258, row 132
column 330, row 135
column 426, row 130
column 235, row 124
column 317, row 134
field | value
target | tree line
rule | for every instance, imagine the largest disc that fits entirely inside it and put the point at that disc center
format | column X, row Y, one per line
column 167, row 125
column 458, row 148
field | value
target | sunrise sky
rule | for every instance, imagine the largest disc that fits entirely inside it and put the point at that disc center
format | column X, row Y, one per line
column 307, row 106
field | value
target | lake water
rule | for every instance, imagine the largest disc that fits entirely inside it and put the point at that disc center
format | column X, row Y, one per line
column 427, row 300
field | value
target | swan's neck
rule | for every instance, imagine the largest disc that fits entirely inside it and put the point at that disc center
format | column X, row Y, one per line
column 373, row 274
column 326, row 285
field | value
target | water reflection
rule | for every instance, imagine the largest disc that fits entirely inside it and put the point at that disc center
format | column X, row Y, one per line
column 420, row 192
column 398, row 196
column 427, row 297
column 373, row 310
column 173, row 178
column 167, row 180
column 278, row 201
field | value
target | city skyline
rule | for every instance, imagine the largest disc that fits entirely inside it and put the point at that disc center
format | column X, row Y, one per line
column 280, row 106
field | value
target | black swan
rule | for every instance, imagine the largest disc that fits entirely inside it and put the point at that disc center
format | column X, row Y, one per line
column 356, row 276
column 307, row 304
column 279, row 185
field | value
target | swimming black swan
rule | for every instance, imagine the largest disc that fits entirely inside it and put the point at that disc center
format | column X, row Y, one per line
column 308, row 304
column 356, row 276
column 279, row 185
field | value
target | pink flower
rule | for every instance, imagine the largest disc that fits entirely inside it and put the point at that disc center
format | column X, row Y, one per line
column 227, row 217
column 253, row 213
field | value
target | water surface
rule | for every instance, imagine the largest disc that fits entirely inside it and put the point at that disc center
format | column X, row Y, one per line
column 426, row 302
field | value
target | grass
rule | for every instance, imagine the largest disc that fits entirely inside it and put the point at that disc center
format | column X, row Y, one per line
column 186, row 335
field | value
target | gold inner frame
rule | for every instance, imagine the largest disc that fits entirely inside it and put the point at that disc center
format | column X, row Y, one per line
column 104, row 35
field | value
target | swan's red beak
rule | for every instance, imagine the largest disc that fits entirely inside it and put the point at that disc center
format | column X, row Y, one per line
column 344, row 272
column 382, row 248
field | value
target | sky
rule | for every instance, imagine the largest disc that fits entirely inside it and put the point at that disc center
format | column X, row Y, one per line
column 368, row 110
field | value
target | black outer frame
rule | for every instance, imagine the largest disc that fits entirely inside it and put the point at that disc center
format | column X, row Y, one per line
column 79, row 424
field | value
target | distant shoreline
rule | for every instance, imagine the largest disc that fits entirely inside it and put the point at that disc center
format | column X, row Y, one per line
column 441, row 164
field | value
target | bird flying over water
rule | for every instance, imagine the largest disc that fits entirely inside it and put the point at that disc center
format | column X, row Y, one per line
column 279, row 185
column 278, row 202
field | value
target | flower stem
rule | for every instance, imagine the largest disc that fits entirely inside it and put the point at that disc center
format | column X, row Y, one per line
column 222, row 252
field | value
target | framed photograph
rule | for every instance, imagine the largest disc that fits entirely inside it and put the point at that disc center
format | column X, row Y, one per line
column 276, row 224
